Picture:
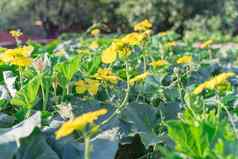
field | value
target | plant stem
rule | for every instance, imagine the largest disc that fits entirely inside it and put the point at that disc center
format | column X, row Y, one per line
column 123, row 103
column 20, row 76
column 87, row 147
column 43, row 93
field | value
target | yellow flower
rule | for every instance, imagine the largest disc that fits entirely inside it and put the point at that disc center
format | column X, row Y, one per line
column 212, row 83
column 22, row 61
column 18, row 56
column 15, row 33
column 143, row 25
column 95, row 32
column 109, row 55
column 94, row 45
column 206, row 44
column 171, row 44
column 159, row 63
column 106, row 75
column 138, row 78
column 26, row 51
column 87, row 85
column 184, row 59
column 124, row 52
column 60, row 52
column 92, row 86
column 133, row 38
column 81, row 87
column 164, row 33
column 79, row 123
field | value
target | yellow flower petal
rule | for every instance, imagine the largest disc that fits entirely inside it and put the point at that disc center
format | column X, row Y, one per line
column 158, row 63
column 81, row 87
column 22, row 61
column 137, row 78
column 184, row 59
column 143, row 25
column 93, row 86
column 212, row 83
column 79, row 123
column 109, row 55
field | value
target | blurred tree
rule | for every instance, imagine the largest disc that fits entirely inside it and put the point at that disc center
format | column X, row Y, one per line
column 77, row 15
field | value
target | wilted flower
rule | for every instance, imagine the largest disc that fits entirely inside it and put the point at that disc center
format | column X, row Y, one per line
column 212, row 83
column 184, row 59
column 142, row 26
column 79, row 123
column 41, row 63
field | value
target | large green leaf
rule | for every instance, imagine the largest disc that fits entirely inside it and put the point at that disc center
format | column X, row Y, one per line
column 143, row 120
column 10, row 137
column 68, row 68
column 26, row 97
column 35, row 146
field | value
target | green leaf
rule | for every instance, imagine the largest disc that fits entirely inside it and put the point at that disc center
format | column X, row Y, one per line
column 26, row 97
column 68, row 68
column 35, row 146
column 143, row 120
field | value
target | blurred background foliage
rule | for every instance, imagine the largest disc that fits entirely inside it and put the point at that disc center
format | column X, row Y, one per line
column 55, row 16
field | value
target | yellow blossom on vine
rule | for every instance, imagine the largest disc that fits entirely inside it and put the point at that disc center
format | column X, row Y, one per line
column 87, row 85
column 79, row 123
column 138, row 78
column 143, row 25
column 133, row 38
column 15, row 33
column 94, row 45
column 22, row 61
column 60, row 52
column 106, row 75
column 184, row 59
column 171, row 44
column 124, row 52
column 18, row 56
column 212, row 83
column 95, row 32
column 159, row 63
column 206, row 44
column 109, row 55
column 164, row 33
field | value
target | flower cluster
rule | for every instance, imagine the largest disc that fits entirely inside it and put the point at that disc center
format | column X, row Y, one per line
column 79, row 123
column 212, row 83
column 121, row 47
column 18, row 56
